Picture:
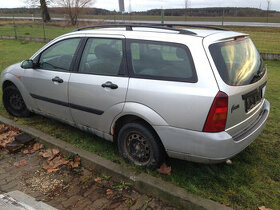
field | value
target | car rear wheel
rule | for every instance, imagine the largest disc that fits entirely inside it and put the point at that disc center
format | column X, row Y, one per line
column 140, row 146
column 13, row 102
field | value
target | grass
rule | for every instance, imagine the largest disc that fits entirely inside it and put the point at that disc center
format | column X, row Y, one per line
column 252, row 181
column 266, row 39
column 34, row 30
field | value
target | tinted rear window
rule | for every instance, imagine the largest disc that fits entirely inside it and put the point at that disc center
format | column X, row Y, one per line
column 160, row 60
column 238, row 62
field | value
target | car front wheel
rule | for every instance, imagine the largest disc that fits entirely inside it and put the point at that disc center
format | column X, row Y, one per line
column 139, row 145
column 13, row 102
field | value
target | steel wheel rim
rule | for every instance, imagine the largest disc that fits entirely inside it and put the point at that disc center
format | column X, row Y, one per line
column 16, row 101
column 138, row 148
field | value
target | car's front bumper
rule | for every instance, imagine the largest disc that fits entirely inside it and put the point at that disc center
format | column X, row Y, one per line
column 209, row 147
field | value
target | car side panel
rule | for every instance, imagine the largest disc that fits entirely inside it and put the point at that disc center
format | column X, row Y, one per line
column 139, row 110
column 86, row 90
column 51, row 97
column 181, row 104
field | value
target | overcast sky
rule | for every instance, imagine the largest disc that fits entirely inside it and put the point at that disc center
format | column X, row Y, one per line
column 139, row 5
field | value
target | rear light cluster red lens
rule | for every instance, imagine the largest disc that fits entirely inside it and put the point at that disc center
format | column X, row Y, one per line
column 217, row 116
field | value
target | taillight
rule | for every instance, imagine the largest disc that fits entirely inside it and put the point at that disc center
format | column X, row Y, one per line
column 217, row 116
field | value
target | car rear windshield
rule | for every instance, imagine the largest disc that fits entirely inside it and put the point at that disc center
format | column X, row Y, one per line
column 238, row 62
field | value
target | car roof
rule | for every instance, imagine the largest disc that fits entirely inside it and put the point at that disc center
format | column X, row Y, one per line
column 176, row 35
column 122, row 31
column 194, row 32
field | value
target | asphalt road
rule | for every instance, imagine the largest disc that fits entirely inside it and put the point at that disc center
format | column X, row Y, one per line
column 214, row 23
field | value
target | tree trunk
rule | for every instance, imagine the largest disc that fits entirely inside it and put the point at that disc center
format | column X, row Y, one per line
column 45, row 13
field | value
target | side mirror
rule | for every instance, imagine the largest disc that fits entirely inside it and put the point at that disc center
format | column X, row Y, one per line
column 27, row 64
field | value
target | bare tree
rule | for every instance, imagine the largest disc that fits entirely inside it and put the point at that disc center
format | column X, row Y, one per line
column 45, row 12
column 43, row 4
column 74, row 8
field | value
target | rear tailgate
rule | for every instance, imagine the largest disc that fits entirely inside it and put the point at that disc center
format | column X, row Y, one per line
column 245, row 106
column 240, row 73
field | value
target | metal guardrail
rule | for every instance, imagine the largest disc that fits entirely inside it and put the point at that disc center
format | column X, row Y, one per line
column 213, row 23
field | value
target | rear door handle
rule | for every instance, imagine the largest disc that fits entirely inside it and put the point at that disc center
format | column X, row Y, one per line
column 57, row 79
column 109, row 84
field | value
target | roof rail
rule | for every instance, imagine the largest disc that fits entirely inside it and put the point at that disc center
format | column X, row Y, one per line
column 193, row 26
column 129, row 27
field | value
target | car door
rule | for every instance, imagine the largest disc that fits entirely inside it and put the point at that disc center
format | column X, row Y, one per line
column 98, row 86
column 48, row 83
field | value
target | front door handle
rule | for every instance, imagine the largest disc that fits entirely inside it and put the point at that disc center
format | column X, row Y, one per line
column 109, row 85
column 57, row 79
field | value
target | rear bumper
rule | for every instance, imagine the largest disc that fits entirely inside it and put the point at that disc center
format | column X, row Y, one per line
column 210, row 147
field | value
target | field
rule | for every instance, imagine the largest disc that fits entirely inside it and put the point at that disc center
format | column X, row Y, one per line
column 27, row 29
column 192, row 18
column 266, row 39
column 271, row 19
column 252, row 180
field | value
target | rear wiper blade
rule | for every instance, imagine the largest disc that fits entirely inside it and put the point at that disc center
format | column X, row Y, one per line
column 256, row 77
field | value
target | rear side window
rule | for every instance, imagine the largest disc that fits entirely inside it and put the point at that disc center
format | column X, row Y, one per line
column 160, row 60
column 238, row 62
column 102, row 57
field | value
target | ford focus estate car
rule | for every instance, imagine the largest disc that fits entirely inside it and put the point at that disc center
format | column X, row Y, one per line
column 193, row 94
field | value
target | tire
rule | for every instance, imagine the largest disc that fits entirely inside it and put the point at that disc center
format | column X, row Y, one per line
column 13, row 102
column 139, row 146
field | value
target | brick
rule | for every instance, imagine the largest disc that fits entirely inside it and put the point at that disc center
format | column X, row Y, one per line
column 8, row 187
column 2, row 171
column 73, row 190
column 100, row 203
column 90, row 191
column 140, row 202
column 83, row 204
column 3, row 182
column 10, row 178
column 4, row 176
column 71, row 202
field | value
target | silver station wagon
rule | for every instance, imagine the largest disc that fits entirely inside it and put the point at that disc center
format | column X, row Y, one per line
column 190, row 93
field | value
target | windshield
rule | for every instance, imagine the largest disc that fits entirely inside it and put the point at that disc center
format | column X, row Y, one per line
column 238, row 62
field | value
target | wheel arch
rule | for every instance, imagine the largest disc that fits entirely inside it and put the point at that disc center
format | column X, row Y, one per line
column 129, row 118
column 7, row 83
column 10, row 79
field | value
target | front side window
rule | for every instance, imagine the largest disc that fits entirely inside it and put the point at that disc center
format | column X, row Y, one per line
column 59, row 56
column 158, row 60
column 102, row 57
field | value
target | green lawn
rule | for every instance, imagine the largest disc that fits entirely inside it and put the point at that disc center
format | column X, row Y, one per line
column 266, row 39
column 33, row 30
column 252, row 181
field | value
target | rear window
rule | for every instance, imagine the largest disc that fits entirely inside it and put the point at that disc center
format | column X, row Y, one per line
column 238, row 62
column 163, row 61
